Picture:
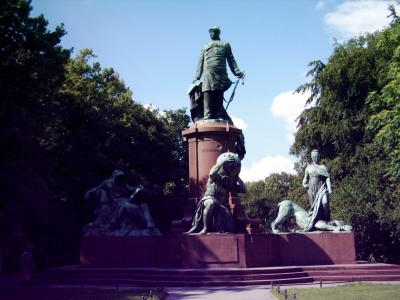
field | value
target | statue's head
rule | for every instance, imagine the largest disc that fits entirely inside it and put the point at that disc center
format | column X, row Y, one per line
column 214, row 32
column 231, row 163
column 315, row 155
column 118, row 178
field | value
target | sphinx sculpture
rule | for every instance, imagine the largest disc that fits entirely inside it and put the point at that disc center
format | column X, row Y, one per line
column 212, row 212
column 121, row 209
column 287, row 209
column 318, row 185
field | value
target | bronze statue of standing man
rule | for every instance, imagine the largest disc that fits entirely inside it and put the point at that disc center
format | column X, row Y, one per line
column 212, row 66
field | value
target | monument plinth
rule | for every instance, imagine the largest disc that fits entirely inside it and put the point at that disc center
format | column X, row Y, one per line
column 219, row 250
column 206, row 141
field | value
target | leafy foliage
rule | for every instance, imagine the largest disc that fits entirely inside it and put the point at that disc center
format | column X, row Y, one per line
column 31, row 72
column 385, row 104
column 68, row 123
column 263, row 196
column 336, row 124
column 355, row 124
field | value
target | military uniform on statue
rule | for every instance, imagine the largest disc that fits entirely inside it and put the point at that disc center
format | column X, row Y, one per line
column 212, row 67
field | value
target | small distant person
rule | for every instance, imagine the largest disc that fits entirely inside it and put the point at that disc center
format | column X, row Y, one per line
column 212, row 67
column 27, row 265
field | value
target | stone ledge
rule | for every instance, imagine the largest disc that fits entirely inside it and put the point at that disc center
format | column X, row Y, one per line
column 219, row 250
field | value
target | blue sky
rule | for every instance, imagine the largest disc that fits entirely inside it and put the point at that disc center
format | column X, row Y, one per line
column 154, row 45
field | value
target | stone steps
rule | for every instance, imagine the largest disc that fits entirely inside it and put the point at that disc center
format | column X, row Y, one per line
column 173, row 283
column 355, row 273
column 76, row 270
column 158, row 277
column 206, row 277
column 350, row 278
column 364, row 272
column 174, row 277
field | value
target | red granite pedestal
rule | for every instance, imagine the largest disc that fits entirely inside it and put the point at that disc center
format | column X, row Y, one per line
column 207, row 141
column 219, row 250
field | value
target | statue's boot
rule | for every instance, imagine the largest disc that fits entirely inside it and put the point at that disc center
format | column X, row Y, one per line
column 208, row 108
column 219, row 107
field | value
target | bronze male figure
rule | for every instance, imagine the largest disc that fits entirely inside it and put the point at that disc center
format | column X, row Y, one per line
column 212, row 67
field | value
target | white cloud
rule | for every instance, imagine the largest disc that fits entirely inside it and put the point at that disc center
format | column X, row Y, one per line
column 150, row 106
column 268, row 165
column 354, row 17
column 288, row 106
column 154, row 109
column 239, row 123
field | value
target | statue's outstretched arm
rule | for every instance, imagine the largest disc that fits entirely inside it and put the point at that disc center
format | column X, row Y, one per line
column 232, row 63
column 305, row 179
column 324, row 172
column 91, row 194
column 215, row 169
column 328, row 185
column 200, row 65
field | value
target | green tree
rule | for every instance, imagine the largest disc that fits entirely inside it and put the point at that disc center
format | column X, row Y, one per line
column 262, row 196
column 31, row 73
column 100, row 128
column 385, row 104
column 336, row 123
column 176, row 190
column 68, row 124
column 354, row 122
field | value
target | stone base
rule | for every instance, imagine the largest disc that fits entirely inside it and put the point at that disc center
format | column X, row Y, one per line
column 219, row 250
column 207, row 140
column 170, row 277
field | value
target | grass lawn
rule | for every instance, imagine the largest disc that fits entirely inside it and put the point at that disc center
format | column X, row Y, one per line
column 46, row 293
column 346, row 292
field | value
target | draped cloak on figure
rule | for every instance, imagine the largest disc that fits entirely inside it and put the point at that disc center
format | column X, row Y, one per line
column 219, row 185
column 318, row 174
column 222, row 220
